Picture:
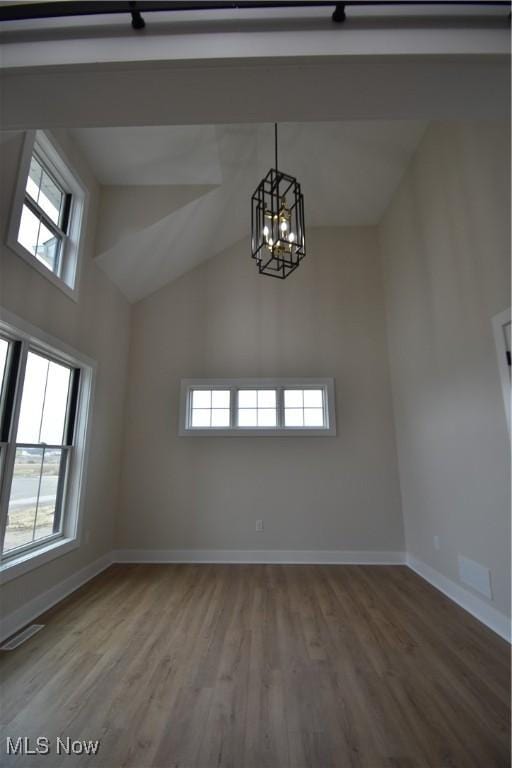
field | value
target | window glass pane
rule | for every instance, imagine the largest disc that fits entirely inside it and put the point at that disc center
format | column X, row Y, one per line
column 53, row 464
column 34, row 179
column 32, row 402
column 313, row 398
column 44, row 401
column 23, row 499
column 47, row 247
column 313, row 417
column 55, row 404
column 293, row 398
column 50, row 198
column 220, row 398
column 29, row 230
column 33, row 496
column 4, row 347
column 201, row 417
column 247, row 398
column 267, row 417
column 248, row 417
column 294, row 417
column 220, row 417
column 201, row 398
column 266, row 398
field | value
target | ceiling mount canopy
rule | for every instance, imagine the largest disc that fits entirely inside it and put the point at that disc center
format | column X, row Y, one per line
column 277, row 223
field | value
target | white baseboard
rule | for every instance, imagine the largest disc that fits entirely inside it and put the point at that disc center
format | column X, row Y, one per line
column 19, row 618
column 276, row 556
column 477, row 607
column 480, row 609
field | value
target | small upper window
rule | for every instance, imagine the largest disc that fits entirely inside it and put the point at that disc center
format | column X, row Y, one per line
column 47, row 212
column 267, row 407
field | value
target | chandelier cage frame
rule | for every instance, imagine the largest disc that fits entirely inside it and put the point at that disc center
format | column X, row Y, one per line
column 278, row 242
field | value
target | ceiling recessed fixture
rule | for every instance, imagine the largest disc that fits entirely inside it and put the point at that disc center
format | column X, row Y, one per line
column 277, row 223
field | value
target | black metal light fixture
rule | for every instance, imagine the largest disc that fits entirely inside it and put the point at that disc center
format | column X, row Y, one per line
column 278, row 242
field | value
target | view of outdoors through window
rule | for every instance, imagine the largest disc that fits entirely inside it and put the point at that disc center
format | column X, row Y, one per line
column 210, row 408
column 303, row 408
column 4, row 346
column 257, row 408
column 41, row 453
column 43, row 206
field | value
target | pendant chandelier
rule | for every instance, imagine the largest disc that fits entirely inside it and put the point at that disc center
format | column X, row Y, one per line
column 277, row 223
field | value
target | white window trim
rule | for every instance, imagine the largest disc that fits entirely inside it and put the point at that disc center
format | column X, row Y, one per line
column 16, row 565
column 327, row 384
column 55, row 158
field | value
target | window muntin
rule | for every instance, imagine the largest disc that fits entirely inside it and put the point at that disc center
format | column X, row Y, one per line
column 45, row 191
column 210, row 408
column 304, row 408
column 42, row 449
column 43, row 222
column 257, row 408
column 267, row 407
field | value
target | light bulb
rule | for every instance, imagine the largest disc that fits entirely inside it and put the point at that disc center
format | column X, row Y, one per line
column 265, row 231
column 270, row 242
column 291, row 237
column 284, row 226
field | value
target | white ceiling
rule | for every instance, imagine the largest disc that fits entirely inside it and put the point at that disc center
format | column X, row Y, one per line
column 206, row 175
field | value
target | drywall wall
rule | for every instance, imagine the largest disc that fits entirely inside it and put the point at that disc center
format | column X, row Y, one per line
column 98, row 326
column 224, row 320
column 446, row 253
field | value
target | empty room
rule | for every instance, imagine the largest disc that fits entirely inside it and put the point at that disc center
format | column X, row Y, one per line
column 255, row 385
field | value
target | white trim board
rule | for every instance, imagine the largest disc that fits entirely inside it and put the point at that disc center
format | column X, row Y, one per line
column 16, row 620
column 275, row 556
column 480, row 609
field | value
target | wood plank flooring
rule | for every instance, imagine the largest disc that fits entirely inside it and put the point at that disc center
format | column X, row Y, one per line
column 260, row 666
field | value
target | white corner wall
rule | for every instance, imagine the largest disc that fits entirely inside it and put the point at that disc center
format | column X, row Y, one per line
column 98, row 326
column 445, row 243
column 200, row 497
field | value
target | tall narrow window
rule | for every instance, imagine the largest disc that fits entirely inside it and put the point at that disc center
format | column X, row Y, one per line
column 43, row 442
column 45, row 395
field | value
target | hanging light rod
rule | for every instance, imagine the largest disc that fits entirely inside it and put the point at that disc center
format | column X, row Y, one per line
column 30, row 11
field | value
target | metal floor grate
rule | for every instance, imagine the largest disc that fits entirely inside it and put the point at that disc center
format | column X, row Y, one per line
column 21, row 637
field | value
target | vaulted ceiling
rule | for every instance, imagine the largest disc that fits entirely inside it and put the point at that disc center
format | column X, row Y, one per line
column 174, row 196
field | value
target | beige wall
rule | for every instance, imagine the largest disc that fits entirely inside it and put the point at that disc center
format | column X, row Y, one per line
column 223, row 319
column 98, row 326
column 446, row 255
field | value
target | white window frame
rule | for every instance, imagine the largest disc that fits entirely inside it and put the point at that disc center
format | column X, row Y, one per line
column 15, row 564
column 499, row 322
column 55, row 161
column 326, row 384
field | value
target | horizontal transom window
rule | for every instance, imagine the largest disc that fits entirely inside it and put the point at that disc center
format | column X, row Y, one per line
column 264, row 407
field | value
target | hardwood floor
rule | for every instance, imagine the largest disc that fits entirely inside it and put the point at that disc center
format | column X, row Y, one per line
column 260, row 666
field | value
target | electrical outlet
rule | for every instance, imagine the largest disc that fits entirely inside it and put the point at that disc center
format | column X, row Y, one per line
column 436, row 543
column 259, row 525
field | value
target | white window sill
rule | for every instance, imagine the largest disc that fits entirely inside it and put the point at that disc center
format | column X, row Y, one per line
column 259, row 432
column 28, row 561
column 58, row 282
